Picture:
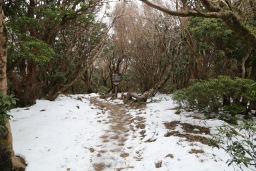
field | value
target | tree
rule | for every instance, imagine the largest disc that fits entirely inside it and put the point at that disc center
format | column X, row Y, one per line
column 81, row 58
column 230, row 12
column 148, row 43
column 43, row 33
column 8, row 161
column 211, row 39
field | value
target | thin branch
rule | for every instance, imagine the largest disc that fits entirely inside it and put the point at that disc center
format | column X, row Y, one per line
column 229, row 17
column 187, row 13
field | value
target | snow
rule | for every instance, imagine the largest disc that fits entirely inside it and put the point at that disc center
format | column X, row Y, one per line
column 72, row 133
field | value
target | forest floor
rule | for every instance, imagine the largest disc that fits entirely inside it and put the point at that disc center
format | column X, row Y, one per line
column 87, row 133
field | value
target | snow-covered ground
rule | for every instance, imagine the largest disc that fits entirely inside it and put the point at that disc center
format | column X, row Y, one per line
column 84, row 133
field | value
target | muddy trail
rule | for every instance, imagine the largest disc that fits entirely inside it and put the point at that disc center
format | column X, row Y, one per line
column 116, row 150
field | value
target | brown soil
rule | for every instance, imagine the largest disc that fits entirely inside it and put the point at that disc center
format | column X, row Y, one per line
column 158, row 164
column 171, row 125
column 135, row 105
column 140, row 126
column 104, row 136
column 124, row 155
column 121, row 125
column 188, row 137
column 195, row 129
column 116, row 136
column 105, row 141
column 102, row 151
column 188, row 128
column 195, row 151
column 142, row 133
column 120, row 169
column 100, row 166
column 150, row 140
column 91, row 150
column 170, row 156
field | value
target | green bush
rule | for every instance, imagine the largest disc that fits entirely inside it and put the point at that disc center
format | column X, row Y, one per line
column 220, row 95
column 241, row 147
column 6, row 103
column 59, row 77
column 103, row 90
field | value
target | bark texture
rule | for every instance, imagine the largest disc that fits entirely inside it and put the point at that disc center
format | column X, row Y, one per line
column 8, row 161
column 3, row 53
column 244, row 59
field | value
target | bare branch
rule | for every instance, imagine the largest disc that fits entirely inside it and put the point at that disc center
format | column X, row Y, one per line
column 170, row 12
column 187, row 13
column 229, row 17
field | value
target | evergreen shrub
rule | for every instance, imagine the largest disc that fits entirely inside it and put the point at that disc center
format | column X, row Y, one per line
column 7, row 102
column 239, row 145
column 223, row 96
column 103, row 90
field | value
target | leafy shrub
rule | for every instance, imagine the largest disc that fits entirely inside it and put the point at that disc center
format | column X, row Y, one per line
column 103, row 90
column 241, row 147
column 6, row 103
column 220, row 95
column 59, row 77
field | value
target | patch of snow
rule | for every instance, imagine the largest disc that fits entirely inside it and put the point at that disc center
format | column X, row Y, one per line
column 65, row 135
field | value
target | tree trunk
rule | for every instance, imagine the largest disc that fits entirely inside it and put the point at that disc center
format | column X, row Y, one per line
column 244, row 59
column 31, row 91
column 3, row 53
column 8, row 161
column 88, row 82
column 83, row 69
column 149, row 93
column 25, row 86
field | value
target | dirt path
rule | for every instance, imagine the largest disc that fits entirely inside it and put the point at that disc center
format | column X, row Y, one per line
column 115, row 150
